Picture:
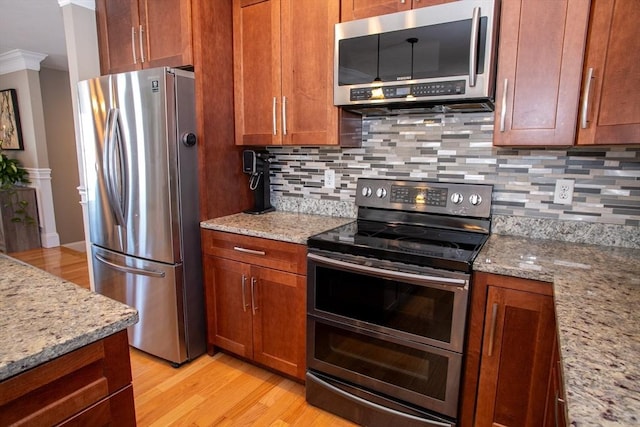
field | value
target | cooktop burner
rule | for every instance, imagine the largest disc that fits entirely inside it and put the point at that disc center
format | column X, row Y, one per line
column 439, row 225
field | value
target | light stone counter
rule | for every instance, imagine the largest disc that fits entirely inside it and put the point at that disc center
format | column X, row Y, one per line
column 284, row 226
column 43, row 317
column 597, row 301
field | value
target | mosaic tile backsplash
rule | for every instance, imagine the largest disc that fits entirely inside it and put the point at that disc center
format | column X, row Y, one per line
column 459, row 148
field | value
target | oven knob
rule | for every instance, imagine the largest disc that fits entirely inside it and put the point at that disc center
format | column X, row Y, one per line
column 457, row 198
column 475, row 199
column 381, row 192
column 366, row 191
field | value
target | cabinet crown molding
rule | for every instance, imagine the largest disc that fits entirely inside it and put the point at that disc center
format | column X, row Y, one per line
column 19, row 60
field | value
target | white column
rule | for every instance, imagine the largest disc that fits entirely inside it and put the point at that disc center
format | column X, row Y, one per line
column 41, row 180
column 81, row 36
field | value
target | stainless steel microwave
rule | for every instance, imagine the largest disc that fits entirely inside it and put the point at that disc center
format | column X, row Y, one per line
column 435, row 55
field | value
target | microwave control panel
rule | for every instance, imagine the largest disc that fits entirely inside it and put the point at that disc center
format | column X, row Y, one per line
column 418, row 90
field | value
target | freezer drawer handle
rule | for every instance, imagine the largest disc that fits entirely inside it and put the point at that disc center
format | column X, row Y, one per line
column 125, row 269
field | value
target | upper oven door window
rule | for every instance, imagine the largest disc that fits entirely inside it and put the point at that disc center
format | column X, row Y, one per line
column 424, row 309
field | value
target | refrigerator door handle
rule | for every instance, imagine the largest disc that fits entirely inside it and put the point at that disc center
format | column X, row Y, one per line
column 112, row 168
column 131, row 270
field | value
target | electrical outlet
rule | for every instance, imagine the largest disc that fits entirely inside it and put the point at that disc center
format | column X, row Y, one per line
column 564, row 192
column 329, row 178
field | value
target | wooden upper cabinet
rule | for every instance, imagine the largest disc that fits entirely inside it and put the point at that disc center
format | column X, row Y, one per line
column 118, row 24
column 137, row 34
column 358, row 9
column 610, row 112
column 540, row 59
column 283, row 72
column 168, row 34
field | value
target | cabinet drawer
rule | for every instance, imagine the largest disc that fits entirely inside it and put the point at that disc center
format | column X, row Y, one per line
column 67, row 385
column 117, row 409
column 283, row 256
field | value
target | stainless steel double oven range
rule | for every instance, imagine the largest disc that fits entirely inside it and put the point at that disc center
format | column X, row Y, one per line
column 387, row 302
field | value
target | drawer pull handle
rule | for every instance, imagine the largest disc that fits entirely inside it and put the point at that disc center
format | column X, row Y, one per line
column 284, row 115
column 249, row 251
column 254, row 307
column 503, row 113
column 244, row 299
column 141, row 38
column 275, row 129
column 585, row 99
column 133, row 44
column 492, row 331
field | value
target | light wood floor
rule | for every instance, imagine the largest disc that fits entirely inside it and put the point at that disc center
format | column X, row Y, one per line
column 219, row 390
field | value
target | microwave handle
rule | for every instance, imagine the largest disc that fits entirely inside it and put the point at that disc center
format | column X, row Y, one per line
column 473, row 46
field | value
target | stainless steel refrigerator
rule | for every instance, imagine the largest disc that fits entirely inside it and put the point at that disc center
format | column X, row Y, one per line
column 142, row 198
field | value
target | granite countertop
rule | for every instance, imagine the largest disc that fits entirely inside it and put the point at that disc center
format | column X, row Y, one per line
column 597, row 300
column 43, row 317
column 283, row 226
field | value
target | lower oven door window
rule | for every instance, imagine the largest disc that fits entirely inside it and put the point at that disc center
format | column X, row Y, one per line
column 411, row 372
column 423, row 308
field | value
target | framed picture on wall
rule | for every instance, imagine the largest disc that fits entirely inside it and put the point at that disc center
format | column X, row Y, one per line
column 10, row 130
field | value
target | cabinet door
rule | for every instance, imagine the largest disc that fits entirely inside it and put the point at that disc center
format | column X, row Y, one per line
column 228, row 303
column 358, row 9
column 555, row 411
column 519, row 332
column 118, row 35
column 610, row 112
column 279, row 320
column 166, row 26
column 539, row 70
column 308, row 114
column 256, row 65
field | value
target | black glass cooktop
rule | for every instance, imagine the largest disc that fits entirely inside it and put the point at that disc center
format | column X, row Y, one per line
column 412, row 244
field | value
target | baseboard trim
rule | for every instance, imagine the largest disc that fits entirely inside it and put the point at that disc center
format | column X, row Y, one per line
column 76, row 246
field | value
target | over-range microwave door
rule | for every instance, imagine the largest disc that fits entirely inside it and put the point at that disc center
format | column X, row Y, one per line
column 430, row 55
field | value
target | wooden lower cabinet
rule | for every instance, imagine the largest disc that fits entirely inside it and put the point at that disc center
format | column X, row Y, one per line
column 510, row 348
column 555, row 414
column 88, row 386
column 254, row 311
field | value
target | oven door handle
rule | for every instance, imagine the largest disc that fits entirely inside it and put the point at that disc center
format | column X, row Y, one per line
column 389, row 273
column 375, row 406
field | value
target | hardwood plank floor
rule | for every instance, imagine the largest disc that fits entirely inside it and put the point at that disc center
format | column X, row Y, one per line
column 60, row 261
column 209, row 391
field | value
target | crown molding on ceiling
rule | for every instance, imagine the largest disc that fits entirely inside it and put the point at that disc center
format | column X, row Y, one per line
column 89, row 4
column 19, row 60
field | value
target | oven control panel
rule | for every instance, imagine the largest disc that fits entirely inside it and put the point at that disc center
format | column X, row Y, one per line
column 473, row 200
